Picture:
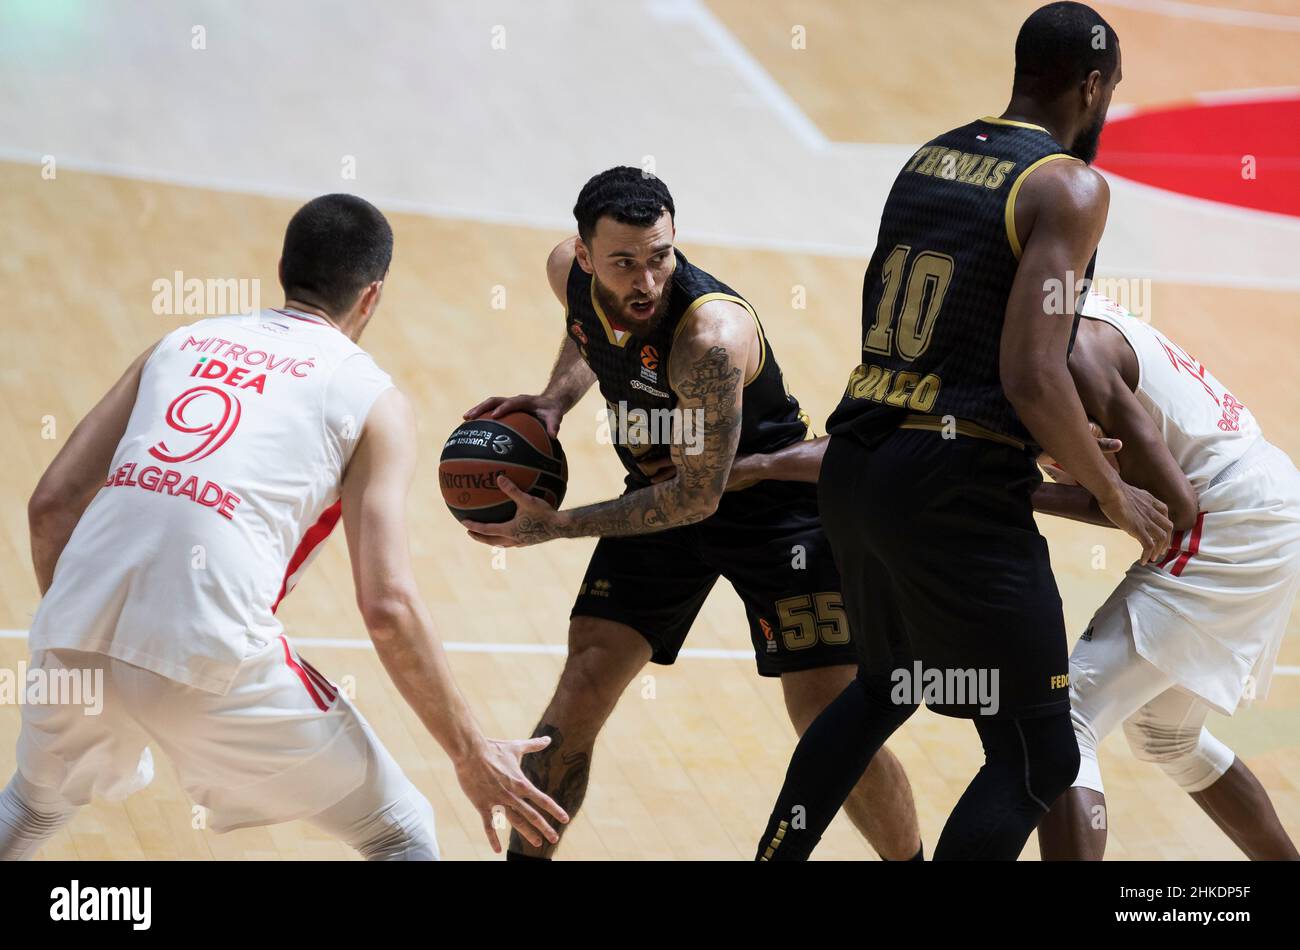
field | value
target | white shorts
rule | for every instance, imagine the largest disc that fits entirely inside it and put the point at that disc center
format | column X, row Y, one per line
column 1211, row 614
column 282, row 744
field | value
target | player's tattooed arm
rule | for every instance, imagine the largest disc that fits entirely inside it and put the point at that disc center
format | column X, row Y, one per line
column 707, row 372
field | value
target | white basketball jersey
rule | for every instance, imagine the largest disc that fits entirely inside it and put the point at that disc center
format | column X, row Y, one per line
column 221, row 490
column 1203, row 424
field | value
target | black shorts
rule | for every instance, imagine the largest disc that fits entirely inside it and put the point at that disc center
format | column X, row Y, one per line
column 766, row 540
column 947, row 582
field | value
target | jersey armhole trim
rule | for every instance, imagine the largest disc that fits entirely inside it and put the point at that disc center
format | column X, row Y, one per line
column 1009, row 215
column 758, row 327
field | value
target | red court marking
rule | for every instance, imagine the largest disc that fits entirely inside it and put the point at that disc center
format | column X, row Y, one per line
column 1199, row 150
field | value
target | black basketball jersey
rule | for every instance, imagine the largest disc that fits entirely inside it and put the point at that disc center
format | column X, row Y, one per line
column 935, row 293
column 632, row 373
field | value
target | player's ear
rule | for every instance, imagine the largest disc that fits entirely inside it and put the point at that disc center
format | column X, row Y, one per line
column 583, row 255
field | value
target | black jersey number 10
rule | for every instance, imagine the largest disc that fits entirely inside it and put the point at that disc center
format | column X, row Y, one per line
column 927, row 282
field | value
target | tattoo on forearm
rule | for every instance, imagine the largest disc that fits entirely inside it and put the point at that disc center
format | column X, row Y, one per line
column 710, row 384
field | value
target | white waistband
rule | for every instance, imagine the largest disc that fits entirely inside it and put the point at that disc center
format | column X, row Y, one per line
column 1253, row 453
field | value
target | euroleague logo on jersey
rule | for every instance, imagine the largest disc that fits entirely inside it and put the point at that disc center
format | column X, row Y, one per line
column 204, row 412
column 649, row 363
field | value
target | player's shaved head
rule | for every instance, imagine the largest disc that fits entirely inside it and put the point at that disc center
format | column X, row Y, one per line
column 1059, row 46
column 335, row 247
column 628, row 195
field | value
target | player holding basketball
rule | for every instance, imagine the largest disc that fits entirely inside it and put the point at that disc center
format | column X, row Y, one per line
column 968, row 311
column 1200, row 628
column 167, row 530
column 658, row 334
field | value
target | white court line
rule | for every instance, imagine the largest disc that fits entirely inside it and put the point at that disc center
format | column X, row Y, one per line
column 548, row 649
column 746, row 66
column 686, row 234
column 1195, row 11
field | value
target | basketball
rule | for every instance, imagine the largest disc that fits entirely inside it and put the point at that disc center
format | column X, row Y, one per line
column 479, row 452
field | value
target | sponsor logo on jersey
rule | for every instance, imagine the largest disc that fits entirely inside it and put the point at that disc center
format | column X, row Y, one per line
column 575, row 329
column 649, row 363
column 768, row 635
column 637, row 384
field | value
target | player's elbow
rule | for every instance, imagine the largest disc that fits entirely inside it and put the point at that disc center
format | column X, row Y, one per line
column 1183, row 509
column 1026, row 385
column 45, row 505
column 388, row 612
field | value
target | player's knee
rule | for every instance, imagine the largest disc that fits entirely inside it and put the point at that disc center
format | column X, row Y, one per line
column 1052, row 756
column 1194, row 759
column 402, row 832
column 29, row 817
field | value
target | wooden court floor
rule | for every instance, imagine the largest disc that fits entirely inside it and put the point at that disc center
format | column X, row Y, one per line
column 691, row 760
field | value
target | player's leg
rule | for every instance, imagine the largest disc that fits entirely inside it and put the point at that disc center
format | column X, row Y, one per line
column 603, row 658
column 70, row 749
column 1109, row 681
column 828, row 762
column 880, row 804
column 29, row 817
column 834, row 751
column 386, row 818
column 1027, row 764
column 282, row 744
column 637, row 601
column 1170, row 732
column 1240, row 806
column 974, row 583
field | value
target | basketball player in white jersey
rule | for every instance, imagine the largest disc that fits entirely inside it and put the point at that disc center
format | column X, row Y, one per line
column 167, row 530
column 1200, row 628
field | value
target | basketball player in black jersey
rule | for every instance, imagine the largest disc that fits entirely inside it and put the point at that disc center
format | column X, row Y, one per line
column 968, row 312
column 689, row 378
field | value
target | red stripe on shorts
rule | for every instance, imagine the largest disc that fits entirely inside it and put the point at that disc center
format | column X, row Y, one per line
column 1192, row 547
column 302, row 675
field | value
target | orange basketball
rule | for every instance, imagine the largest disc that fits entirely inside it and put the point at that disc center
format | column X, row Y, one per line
column 479, row 452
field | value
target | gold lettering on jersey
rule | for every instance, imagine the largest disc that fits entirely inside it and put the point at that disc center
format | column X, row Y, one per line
column 904, row 390
column 968, row 168
column 927, row 167
column 1000, row 172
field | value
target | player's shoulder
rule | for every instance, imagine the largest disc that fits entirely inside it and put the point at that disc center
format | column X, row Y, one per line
column 558, row 265
column 1066, row 184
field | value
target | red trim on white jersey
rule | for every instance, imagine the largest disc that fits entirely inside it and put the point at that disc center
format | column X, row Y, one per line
column 310, row 541
column 306, row 680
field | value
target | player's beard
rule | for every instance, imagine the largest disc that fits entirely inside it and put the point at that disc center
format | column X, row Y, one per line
column 1089, row 140
column 615, row 308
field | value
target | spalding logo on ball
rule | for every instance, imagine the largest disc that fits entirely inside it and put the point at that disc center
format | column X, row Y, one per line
column 479, row 452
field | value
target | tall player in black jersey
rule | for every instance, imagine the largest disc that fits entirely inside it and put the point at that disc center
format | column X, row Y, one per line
column 969, row 310
column 666, row 341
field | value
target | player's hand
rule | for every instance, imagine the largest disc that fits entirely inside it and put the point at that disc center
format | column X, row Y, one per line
column 1142, row 516
column 534, row 521
column 1109, row 449
column 543, row 407
column 659, row 470
column 495, row 782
